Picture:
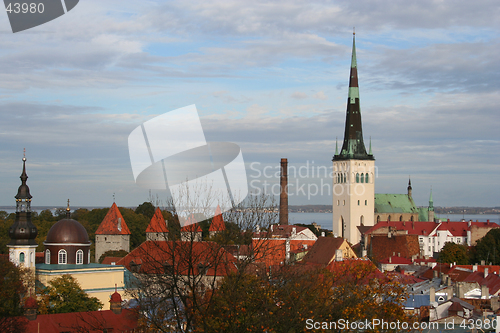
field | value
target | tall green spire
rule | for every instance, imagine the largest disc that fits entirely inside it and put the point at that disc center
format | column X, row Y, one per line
column 336, row 147
column 353, row 146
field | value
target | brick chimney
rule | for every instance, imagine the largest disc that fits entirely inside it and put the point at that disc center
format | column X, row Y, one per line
column 284, row 192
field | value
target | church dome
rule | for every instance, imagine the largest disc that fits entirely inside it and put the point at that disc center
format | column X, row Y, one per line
column 67, row 231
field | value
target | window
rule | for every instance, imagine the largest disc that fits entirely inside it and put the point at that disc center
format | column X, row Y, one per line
column 389, row 218
column 378, row 218
column 362, row 177
column 344, row 203
column 400, row 218
column 366, row 177
column 21, row 257
column 79, row 257
column 358, row 202
column 338, row 202
column 366, row 202
column 47, row 257
column 411, row 219
column 362, row 220
column 62, row 257
column 357, row 178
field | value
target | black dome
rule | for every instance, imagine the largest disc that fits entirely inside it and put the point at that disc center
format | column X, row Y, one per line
column 67, row 231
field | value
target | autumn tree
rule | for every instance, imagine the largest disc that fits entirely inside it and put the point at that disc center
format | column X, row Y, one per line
column 64, row 294
column 11, row 293
column 454, row 253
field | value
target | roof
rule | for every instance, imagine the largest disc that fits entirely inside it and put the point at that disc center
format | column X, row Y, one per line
column 323, row 250
column 152, row 257
column 413, row 228
column 158, row 223
column 93, row 321
column 395, row 260
column 394, row 203
column 492, row 281
column 217, row 222
column 272, row 251
column 195, row 227
column 67, row 231
column 110, row 260
column 382, row 246
column 416, row 301
column 113, row 223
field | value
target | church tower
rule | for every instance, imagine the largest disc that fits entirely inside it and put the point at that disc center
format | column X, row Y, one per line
column 353, row 170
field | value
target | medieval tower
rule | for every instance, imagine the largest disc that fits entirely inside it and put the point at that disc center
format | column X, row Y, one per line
column 353, row 170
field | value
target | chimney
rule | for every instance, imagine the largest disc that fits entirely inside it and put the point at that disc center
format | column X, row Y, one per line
column 485, row 292
column 338, row 255
column 115, row 302
column 294, row 231
column 485, row 273
column 390, row 260
column 284, row 192
column 474, row 268
column 119, row 224
column 432, row 295
column 322, row 234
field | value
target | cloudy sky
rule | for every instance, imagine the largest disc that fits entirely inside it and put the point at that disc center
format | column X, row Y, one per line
column 269, row 76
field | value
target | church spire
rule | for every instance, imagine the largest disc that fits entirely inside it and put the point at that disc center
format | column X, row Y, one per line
column 353, row 146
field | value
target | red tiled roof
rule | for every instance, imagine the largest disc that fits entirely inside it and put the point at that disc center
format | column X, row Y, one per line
column 383, row 247
column 183, row 257
column 323, row 250
column 217, row 222
column 273, row 251
column 157, row 223
column 195, row 227
column 358, row 270
column 396, row 261
column 93, row 321
column 110, row 224
column 109, row 260
column 492, row 281
column 457, row 229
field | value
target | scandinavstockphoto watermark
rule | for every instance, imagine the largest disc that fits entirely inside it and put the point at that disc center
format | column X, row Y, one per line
column 310, row 180
column 169, row 152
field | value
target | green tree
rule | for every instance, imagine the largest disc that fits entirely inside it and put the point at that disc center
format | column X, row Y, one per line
column 64, row 294
column 488, row 248
column 11, row 291
column 454, row 253
column 147, row 209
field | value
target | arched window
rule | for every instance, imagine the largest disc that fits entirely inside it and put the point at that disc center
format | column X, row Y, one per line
column 357, row 178
column 411, row 219
column 362, row 220
column 32, row 260
column 47, row 257
column 79, row 257
column 366, row 202
column 362, row 177
column 338, row 178
column 389, row 218
column 400, row 218
column 63, row 258
column 378, row 218
column 358, row 202
column 366, row 178
column 21, row 257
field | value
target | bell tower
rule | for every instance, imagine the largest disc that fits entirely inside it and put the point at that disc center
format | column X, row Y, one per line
column 353, row 170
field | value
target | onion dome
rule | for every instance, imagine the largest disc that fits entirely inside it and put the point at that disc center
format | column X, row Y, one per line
column 23, row 231
column 67, row 231
column 116, row 298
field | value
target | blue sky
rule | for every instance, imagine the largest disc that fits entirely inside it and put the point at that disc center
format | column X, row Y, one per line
column 269, row 76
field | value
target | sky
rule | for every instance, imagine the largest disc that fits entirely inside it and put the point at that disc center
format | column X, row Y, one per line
column 270, row 76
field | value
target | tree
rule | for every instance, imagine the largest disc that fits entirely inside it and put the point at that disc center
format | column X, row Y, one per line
column 488, row 248
column 454, row 253
column 64, row 294
column 11, row 292
column 112, row 253
column 147, row 209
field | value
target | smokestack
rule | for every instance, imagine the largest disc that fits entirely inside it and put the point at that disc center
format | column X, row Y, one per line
column 284, row 192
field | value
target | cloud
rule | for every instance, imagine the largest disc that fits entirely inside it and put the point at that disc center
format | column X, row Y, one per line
column 320, row 95
column 298, row 95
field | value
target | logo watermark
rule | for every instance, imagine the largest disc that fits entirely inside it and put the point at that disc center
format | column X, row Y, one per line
column 170, row 152
column 25, row 15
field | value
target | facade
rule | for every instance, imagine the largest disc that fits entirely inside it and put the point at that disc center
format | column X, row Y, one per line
column 67, row 243
column 353, row 170
column 112, row 234
column 157, row 229
column 432, row 236
column 329, row 249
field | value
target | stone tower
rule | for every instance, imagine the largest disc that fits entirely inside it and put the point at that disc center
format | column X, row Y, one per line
column 353, row 170
column 157, row 229
column 112, row 234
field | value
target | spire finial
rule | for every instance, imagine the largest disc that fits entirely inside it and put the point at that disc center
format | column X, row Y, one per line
column 24, row 154
column 68, row 211
column 336, row 146
column 113, row 197
column 370, row 151
column 353, row 31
